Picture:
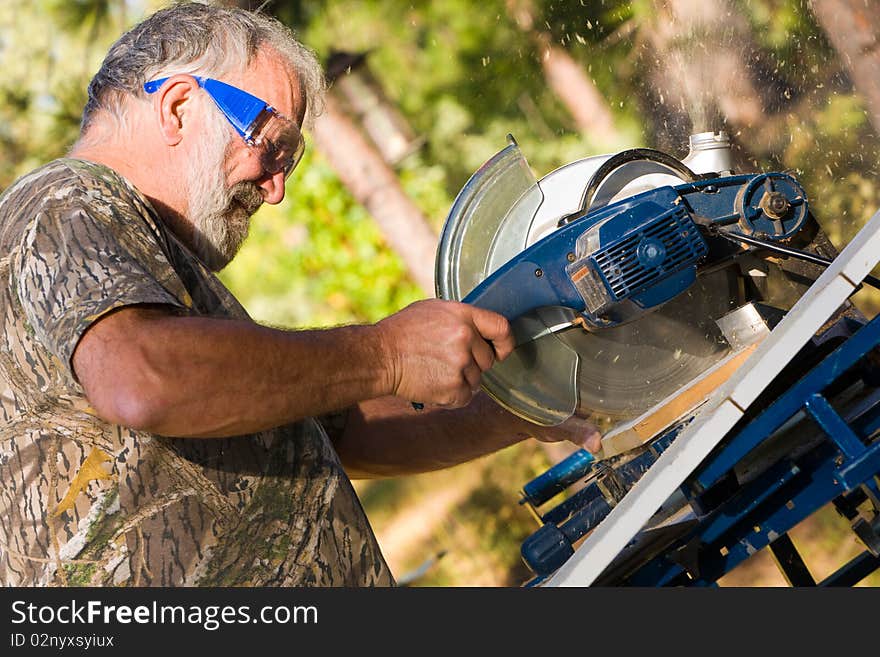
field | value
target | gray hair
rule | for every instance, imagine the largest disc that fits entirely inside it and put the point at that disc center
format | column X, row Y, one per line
column 197, row 38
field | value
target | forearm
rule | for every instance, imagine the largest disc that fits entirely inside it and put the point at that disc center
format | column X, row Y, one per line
column 151, row 370
column 193, row 376
column 386, row 437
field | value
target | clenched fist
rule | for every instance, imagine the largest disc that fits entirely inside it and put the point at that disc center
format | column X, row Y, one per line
column 436, row 351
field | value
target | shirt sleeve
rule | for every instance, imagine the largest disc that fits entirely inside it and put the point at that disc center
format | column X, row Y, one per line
column 81, row 257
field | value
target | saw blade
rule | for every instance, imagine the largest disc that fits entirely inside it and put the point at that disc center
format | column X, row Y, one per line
column 609, row 375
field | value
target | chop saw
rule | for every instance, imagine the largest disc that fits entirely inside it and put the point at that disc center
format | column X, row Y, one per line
column 681, row 307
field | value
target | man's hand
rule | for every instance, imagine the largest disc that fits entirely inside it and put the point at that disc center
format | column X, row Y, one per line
column 436, row 351
column 579, row 431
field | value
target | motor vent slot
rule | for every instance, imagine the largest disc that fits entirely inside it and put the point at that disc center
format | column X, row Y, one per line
column 659, row 248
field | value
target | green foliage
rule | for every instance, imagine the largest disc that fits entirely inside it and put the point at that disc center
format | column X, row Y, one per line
column 786, row 28
column 470, row 77
column 465, row 76
column 844, row 182
column 827, row 137
column 49, row 50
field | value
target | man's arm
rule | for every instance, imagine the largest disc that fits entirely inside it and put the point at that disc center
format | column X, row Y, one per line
column 194, row 376
column 384, row 437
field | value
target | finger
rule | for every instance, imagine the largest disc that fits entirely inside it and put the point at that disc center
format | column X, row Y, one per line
column 460, row 399
column 583, row 433
column 592, row 442
column 495, row 329
column 483, row 354
column 473, row 375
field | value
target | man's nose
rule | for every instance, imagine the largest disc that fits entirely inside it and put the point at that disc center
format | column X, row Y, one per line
column 272, row 187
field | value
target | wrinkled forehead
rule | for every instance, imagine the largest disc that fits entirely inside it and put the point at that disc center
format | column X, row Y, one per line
column 271, row 78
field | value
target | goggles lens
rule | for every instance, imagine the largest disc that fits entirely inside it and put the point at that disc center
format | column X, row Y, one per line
column 276, row 138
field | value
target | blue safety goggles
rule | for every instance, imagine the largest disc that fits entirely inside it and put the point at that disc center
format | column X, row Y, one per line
column 278, row 140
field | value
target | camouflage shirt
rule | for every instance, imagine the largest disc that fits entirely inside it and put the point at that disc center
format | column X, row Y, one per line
column 85, row 502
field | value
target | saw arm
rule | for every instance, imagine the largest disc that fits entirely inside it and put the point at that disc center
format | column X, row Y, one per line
column 621, row 261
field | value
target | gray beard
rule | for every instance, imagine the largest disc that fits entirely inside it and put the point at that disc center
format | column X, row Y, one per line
column 221, row 228
column 220, row 216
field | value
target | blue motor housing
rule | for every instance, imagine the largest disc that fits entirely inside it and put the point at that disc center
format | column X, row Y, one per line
column 635, row 261
column 621, row 261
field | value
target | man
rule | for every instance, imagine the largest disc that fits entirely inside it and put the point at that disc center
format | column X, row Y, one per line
column 154, row 434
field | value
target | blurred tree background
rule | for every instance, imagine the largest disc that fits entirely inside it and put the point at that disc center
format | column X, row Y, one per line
column 569, row 80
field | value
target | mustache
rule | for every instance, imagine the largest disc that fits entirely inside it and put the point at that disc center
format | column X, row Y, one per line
column 248, row 196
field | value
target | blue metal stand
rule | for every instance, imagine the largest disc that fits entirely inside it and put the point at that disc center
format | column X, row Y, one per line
column 814, row 444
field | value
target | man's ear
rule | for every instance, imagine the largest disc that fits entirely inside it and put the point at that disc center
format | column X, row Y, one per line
column 176, row 103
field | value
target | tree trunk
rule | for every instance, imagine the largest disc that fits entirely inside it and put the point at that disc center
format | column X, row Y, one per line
column 375, row 186
column 566, row 78
column 851, row 27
